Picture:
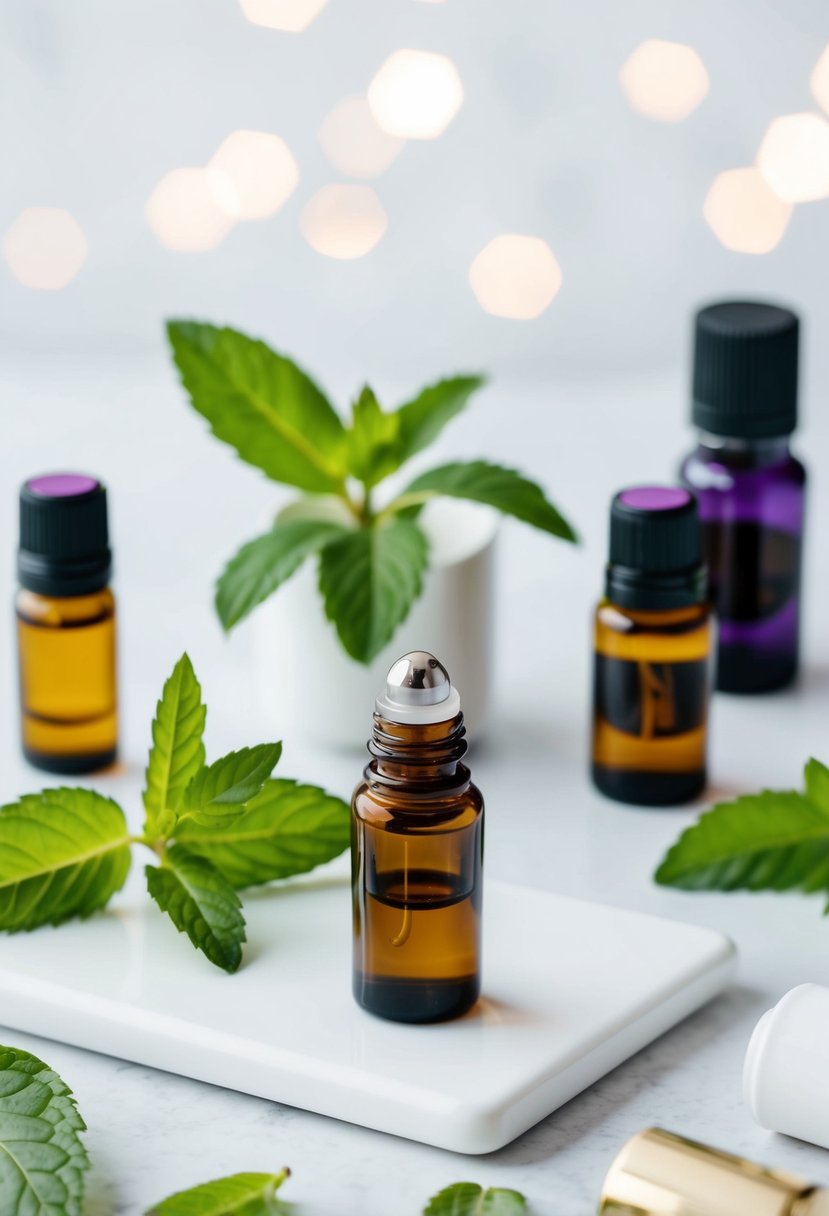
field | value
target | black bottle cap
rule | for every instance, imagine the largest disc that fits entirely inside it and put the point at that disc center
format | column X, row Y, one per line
column 655, row 553
column 64, row 538
column 745, row 370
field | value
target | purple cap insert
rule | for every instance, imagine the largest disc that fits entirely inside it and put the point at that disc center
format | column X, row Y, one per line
column 62, row 485
column 655, row 498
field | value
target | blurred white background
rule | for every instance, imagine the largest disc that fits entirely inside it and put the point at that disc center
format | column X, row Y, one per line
column 101, row 101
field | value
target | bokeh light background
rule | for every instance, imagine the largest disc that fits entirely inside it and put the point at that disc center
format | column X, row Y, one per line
column 399, row 188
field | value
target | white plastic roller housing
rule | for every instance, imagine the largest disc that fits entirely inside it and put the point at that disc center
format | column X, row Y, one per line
column 786, row 1072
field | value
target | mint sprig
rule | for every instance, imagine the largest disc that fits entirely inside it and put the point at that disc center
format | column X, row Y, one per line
column 777, row 840
column 218, row 791
column 177, row 753
column 63, row 853
column 492, row 484
column 470, row 1199
column 213, row 829
column 369, row 580
column 42, row 1157
column 43, row 1162
column 237, row 1195
column 372, row 558
column 201, row 903
column 264, row 564
column 286, row 829
column 270, row 410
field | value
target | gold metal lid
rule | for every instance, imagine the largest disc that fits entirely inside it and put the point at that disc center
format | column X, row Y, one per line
column 659, row 1174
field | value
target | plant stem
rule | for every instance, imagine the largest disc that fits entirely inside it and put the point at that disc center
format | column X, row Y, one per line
column 415, row 499
column 157, row 846
column 355, row 508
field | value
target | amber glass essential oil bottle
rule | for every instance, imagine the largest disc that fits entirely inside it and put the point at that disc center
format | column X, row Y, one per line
column 416, row 852
column 653, row 638
column 66, row 625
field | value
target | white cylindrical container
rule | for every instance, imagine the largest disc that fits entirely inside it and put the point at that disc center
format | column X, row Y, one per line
column 308, row 682
column 786, row 1071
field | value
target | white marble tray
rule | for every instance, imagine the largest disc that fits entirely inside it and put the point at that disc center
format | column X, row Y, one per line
column 571, row 990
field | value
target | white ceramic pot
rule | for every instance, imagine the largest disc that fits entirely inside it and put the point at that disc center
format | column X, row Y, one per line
column 307, row 681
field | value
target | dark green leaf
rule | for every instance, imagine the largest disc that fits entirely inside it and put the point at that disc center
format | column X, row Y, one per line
column 422, row 419
column 200, row 903
column 63, row 853
column 264, row 564
column 286, row 829
column 501, row 488
column 262, row 404
column 816, row 776
column 238, row 1195
column 177, row 752
column 469, row 1199
column 369, row 581
column 774, row 841
column 42, row 1159
column 219, row 790
column 374, row 448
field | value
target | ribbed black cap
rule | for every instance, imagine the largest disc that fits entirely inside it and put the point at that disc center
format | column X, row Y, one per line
column 655, row 553
column 64, row 536
column 745, row 370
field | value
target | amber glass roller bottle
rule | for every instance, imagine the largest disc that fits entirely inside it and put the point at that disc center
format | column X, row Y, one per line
column 652, row 640
column 66, row 625
column 417, row 840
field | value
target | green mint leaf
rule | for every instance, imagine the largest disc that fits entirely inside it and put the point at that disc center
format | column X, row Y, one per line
column 63, row 853
column 200, row 903
column 177, row 752
column 498, row 487
column 421, row 420
column 816, row 777
column 374, row 448
column 238, row 1195
column 42, row 1159
column 219, row 790
column 264, row 564
column 469, row 1199
column 286, row 829
column 772, row 841
column 369, row 581
column 262, row 404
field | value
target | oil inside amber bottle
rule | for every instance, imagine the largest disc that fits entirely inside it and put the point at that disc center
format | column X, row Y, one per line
column 66, row 625
column 651, row 698
column 417, row 840
column 66, row 649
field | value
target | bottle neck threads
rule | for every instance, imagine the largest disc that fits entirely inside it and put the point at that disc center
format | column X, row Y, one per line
column 423, row 758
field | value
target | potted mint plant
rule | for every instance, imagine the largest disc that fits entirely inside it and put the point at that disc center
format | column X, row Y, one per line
column 394, row 571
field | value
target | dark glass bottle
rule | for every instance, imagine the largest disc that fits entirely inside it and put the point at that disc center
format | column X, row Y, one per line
column 66, row 625
column 750, row 488
column 417, row 841
column 652, row 644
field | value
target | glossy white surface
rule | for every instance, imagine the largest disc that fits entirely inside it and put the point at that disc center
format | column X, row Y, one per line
column 181, row 505
column 570, row 990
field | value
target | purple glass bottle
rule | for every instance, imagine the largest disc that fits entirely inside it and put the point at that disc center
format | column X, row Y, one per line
column 750, row 488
